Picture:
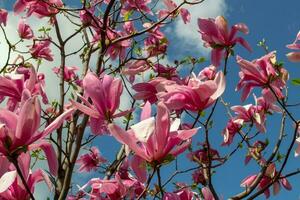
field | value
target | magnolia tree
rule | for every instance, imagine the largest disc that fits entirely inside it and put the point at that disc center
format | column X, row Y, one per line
column 124, row 44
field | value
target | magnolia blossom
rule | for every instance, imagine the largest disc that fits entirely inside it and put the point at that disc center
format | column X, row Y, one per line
column 135, row 67
column 116, row 188
column 233, row 126
column 37, row 7
column 69, row 72
column 105, row 95
column 294, row 56
column 41, row 49
column 140, row 5
column 20, row 132
column 19, row 88
column 196, row 96
column 215, row 34
column 268, row 178
column 255, row 151
column 24, row 30
column 12, row 187
column 250, row 113
column 156, row 43
column 261, row 73
column 90, row 161
column 3, row 16
column 148, row 91
column 154, row 140
column 182, row 194
column 171, row 6
column 117, row 49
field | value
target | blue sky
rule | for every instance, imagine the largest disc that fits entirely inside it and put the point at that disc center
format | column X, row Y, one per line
column 276, row 21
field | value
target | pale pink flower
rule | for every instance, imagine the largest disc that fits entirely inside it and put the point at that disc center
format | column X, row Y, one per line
column 90, row 161
column 24, row 30
column 215, row 34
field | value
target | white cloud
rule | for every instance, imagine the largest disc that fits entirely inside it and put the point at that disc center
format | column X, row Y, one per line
column 188, row 33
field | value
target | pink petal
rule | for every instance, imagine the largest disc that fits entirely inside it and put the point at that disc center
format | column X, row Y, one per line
column 185, row 15
column 139, row 165
column 286, row 184
column 146, row 112
column 86, row 110
column 293, row 56
column 7, row 180
column 29, row 119
column 126, row 138
column 50, row 155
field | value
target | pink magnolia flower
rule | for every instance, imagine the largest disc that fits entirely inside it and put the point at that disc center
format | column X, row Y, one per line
column 24, row 30
column 86, row 16
column 268, row 178
column 117, row 49
column 114, row 189
column 140, row 5
column 196, row 96
column 171, row 6
column 215, row 34
column 19, row 89
column 156, row 43
column 208, row 73
column 233, row 126
column 184, row 193
column 294, row 56
column 255, row 151
column 261, row 73
column 129, row 27
column 40, row 49
column 12, row 188
column 37, row 7
column 200, row 156
column 198, row 177
column 3, row 16
column 20, row 132
column 135, row 67
column 105, row 95
column 153, row 140
column 90, row 161
column 251, row 114
column 69, row 72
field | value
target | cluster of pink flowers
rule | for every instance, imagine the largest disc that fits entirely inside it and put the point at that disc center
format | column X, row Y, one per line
column 161, row 133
